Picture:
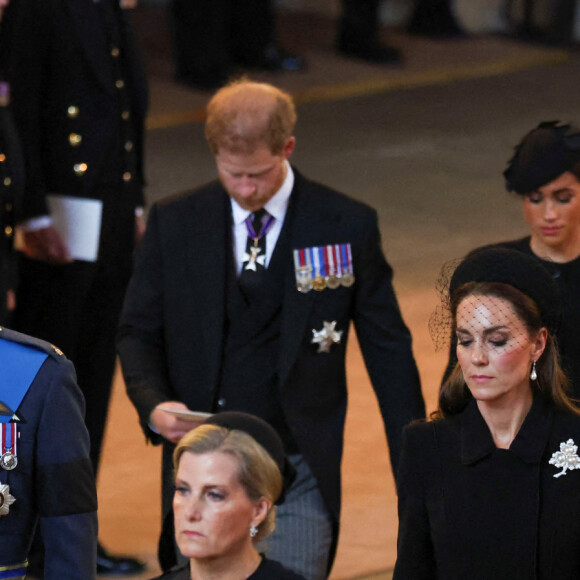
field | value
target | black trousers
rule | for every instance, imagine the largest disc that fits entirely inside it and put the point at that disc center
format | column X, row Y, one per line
column 359, row 21
column 77, row 306
column 212, row 35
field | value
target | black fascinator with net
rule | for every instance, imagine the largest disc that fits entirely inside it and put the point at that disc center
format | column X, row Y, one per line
column 495, row 264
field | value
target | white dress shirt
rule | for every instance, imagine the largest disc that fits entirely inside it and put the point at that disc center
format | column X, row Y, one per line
column 276, row 207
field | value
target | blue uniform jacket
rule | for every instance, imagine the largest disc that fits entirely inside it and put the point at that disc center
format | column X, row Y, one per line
column 53, row 482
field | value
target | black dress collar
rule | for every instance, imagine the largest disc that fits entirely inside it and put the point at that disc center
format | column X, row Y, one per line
column 528, row 445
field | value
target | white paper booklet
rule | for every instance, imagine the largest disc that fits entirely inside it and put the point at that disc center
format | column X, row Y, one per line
column 78, row 221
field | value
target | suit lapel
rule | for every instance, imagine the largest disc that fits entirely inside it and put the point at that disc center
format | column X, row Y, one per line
column 296, row 307
column 208, row 259
column 84, row 17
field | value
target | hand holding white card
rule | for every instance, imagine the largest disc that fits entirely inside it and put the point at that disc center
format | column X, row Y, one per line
column 78, row 221
column 193, row 416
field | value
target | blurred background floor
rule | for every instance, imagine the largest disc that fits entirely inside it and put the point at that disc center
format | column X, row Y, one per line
column 425, row 144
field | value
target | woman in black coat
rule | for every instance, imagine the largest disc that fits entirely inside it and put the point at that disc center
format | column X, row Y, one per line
column 545, row 173
column 489, row 487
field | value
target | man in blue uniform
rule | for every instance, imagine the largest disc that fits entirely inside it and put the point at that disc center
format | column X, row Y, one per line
column 46, row 474
column 45, row 471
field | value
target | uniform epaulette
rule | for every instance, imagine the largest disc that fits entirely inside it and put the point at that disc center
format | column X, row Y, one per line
column 31, row 341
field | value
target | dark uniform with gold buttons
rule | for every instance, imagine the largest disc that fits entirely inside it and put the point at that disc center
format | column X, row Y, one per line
column 45, row 470
column 11, row 185
column 79, row 99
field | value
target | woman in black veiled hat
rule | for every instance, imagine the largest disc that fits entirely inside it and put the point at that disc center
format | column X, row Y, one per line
column 490, row 487
column 545, row 172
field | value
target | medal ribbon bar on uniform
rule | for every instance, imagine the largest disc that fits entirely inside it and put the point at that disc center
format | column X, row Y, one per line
column 321, row 267
column 319, row 262
column 331, row 260
column 303, row 270
column 8, row 446
column 20, row 362
column 9, row 438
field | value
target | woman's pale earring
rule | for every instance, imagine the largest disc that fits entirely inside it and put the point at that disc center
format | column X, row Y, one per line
column 533, row 374
column 253, row 532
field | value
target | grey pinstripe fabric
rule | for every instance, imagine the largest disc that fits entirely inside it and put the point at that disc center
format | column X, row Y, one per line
column 303, row 534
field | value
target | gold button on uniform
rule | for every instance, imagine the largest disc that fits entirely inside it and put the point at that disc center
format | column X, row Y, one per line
column 8, row 231
column 125, row 115
column 127, row 176
column 72, row 112
column 2, row 157
column 7, row 181
column 115, row 52
column 120, row 84
column 129, row 146
column 74, row 139
column 80, row 168
column 8, row 206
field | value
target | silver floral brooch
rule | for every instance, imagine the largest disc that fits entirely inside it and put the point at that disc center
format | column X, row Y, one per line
column 566, row 458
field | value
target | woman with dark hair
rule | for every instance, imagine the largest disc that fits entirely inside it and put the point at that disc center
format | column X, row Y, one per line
column 544, row 172
column 229, row 473
column 488, row 488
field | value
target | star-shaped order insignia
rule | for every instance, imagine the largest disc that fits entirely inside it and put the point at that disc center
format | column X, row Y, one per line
column 327, row 336
column 6, row 500
column 251, row 259
column 566, row 458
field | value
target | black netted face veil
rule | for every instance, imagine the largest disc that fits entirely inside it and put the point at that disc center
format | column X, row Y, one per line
column 495, row 265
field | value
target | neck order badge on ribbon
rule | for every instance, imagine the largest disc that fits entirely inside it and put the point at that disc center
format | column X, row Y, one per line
column 253, row 258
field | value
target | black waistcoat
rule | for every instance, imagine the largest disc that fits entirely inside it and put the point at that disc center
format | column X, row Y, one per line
column 249, row 377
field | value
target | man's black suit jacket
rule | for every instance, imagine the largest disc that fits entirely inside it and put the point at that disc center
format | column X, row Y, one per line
column 172, row 328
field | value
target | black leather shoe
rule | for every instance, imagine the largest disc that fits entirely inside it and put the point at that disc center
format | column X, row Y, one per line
column 372, row 52
column 109, row 565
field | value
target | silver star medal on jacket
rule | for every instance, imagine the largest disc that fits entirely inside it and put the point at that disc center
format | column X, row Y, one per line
column 321, row 267
column 326, row 336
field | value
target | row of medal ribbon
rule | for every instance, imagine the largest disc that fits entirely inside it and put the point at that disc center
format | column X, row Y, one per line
column 8, row 446
column 323, row 267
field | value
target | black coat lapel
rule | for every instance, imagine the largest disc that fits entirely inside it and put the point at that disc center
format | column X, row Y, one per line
column 207, row 257
column 297, row 306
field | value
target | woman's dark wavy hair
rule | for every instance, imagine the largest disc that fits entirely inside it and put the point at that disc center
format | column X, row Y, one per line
column 551, row 382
